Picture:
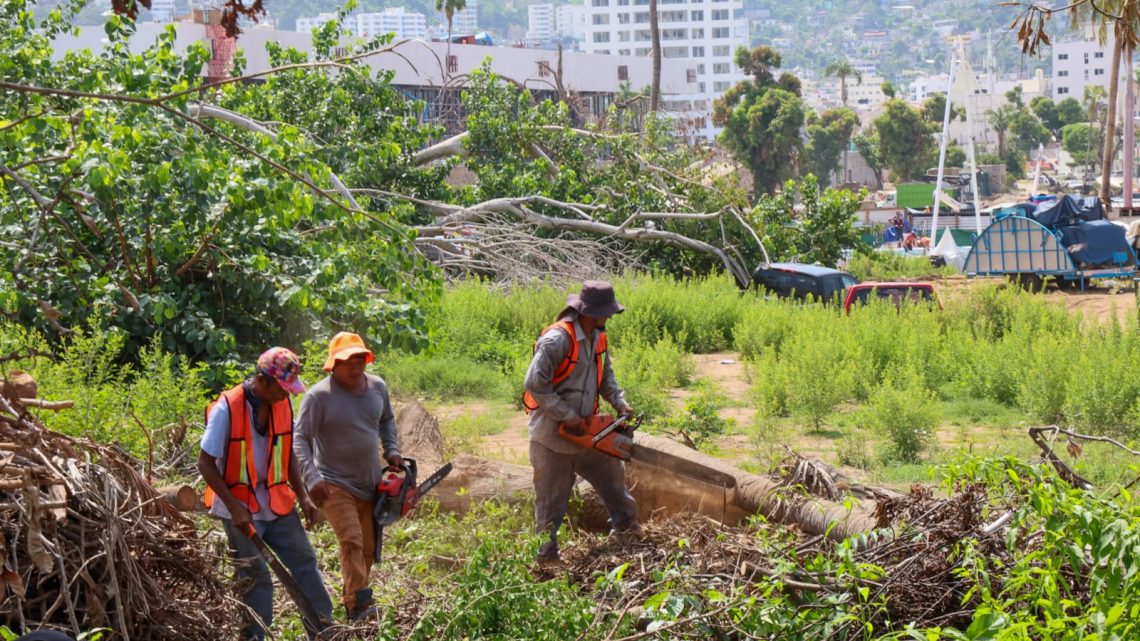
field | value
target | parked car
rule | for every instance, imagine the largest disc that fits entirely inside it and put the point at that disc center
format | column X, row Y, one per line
column 896, row 293
column 800, row 281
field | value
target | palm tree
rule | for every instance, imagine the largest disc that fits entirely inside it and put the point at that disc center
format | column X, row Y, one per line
column 1000, row 119
column 1094, row 98
column 843, row 70
column 1123, row 18
column 655, row 35
column 449, row 7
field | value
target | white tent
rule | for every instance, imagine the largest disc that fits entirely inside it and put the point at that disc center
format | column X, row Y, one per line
column 949, row 249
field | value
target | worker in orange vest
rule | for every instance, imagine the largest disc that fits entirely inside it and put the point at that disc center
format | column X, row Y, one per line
column 570, row 370
column 253, row 482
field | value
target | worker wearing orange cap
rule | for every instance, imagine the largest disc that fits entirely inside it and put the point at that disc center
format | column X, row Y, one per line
column 343, row 422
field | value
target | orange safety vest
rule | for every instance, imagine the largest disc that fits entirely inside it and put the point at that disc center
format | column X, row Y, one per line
column 239, row 473
column 566, row 367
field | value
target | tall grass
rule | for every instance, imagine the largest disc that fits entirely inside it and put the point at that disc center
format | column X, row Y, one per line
column 1001, row 346
column 482, row 337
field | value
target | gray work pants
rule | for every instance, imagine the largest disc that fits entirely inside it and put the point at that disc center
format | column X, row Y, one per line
column 554, row 480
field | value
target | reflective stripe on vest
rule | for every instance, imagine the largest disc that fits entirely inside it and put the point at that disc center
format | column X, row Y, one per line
column 238, row 469
column 566, row 367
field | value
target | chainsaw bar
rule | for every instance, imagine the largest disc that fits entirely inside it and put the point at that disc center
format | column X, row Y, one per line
column 433, row 480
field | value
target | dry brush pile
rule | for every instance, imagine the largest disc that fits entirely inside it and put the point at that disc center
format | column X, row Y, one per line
column 86, row 543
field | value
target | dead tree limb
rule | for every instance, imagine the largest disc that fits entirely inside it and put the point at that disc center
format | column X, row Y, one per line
column 1046, row 446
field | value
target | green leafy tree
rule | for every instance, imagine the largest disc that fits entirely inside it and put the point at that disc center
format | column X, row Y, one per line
column 604, row 169
column 904, row 139
column 1027, row 130
column 816, row 232
column 1055, row 115
column 829, row 134
column 762, row 119
column 934, row 109
column 143, row 217
column 1082, row 141
column 868, row 147
column 889, row 90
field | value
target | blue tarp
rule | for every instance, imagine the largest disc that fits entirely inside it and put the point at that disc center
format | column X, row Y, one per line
column 1068, row 210
column 1095, row 242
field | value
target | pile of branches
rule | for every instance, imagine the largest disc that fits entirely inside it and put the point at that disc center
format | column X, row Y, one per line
column 87, row 543
column 917, row 555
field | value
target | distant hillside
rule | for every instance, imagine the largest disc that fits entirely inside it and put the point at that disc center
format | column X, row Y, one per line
column 810, row 35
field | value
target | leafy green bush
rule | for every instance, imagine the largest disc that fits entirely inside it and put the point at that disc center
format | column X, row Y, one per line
column 886, row 266
column 700, row 420
column 905, row 412
column 853, row 451
column 161, row 398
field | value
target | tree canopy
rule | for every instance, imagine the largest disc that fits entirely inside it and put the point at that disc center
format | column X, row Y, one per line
column 762, row 119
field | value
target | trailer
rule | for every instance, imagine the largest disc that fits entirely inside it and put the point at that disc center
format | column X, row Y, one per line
column 1068, row 241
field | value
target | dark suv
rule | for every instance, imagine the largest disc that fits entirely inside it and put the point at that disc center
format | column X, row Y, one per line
column 799, row 281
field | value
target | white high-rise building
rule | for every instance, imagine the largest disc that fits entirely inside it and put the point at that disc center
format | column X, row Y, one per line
column 702, row 35
column 540, row 23
column 162, row 10
column 1081, row 64
column 572, row 20
column 309, row 25
column 404, row 24
column 465, row 20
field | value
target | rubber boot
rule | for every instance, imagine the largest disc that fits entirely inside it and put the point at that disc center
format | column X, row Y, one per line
column 364, row 608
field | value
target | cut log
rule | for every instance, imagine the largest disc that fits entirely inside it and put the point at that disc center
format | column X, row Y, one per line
column 665, row 477
column 182, row 497
column 18, row 384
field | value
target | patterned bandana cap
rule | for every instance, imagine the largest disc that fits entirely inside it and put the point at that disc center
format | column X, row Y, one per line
column 283, row 366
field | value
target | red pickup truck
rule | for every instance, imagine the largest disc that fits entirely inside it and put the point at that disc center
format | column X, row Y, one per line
column 896, row 293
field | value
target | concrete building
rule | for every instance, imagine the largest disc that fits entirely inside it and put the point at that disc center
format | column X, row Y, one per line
column 572, row 20
column 404, row 24
column 1081, row 64
column 541, row 23
column 465, row 20
column 162, row 10
column 309, row 25
column 698, row 36
column 424, row 70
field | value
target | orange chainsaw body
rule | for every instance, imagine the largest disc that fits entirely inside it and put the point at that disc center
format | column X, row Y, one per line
column 617, row 443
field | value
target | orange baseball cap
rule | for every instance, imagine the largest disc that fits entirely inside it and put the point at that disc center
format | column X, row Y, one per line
column 344, row 346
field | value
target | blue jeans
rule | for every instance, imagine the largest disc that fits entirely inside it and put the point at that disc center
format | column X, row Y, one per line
column 286, row 537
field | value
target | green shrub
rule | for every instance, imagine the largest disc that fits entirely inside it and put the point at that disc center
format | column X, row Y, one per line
column 852, row 451
column 700, row 420
column 884, row 266
column 818, row 378
column 904, row 411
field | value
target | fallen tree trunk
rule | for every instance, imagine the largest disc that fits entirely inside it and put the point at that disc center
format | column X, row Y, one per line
column 665, row 477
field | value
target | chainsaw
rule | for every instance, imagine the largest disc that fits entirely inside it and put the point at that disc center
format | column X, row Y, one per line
column 397, row 494
column 604, row 433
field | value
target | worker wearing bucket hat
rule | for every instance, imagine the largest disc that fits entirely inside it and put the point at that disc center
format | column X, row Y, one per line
column 343, row 423
column 569, row 373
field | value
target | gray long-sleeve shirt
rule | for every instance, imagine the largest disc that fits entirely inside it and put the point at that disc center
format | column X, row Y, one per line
column 338, row 434
column 572, row 397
